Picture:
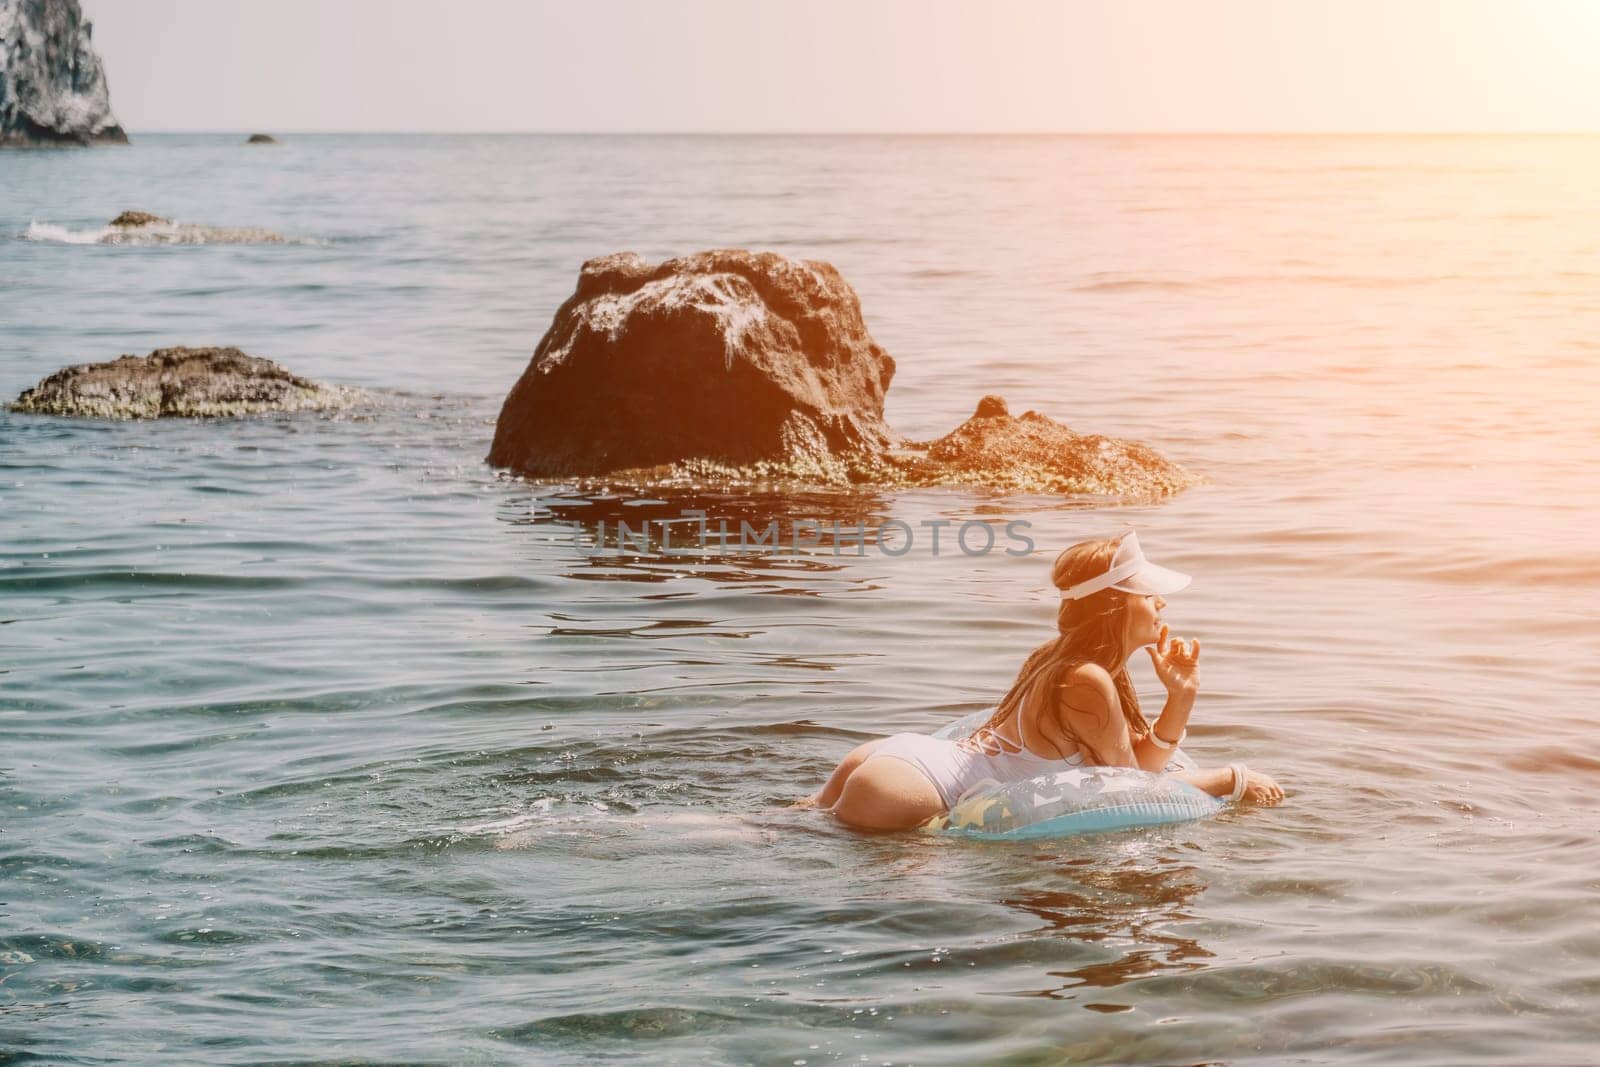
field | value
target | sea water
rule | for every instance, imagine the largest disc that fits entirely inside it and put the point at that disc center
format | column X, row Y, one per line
column 322, row 740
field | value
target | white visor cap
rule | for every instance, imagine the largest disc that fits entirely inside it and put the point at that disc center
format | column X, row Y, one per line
column 1131, row 573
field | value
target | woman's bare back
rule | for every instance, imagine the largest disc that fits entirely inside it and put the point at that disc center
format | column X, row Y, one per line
column 1041, row 731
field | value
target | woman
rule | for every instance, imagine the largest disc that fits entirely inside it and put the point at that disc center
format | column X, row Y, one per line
column 1072, row 703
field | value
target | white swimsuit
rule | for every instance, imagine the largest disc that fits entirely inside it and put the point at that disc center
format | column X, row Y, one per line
column 955, row 766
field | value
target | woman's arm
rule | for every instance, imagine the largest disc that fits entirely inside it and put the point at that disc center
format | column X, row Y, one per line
column 1090, row 710
column 1170, row 726
column 1218, row 782
column 1177, row 665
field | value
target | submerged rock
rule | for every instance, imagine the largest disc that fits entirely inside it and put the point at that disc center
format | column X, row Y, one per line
column 203, row 382
column 726, row 356
column 52, row 84
column 1035, row 453
column 261, row 138
column 139, row 218
column 143, row 228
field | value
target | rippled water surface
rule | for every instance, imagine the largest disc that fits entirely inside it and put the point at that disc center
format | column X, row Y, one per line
column 320, row 741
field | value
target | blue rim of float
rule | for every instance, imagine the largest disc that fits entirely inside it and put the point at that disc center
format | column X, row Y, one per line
column 1077, row 800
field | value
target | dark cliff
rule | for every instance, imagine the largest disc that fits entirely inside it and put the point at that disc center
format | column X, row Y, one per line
column 52, row 84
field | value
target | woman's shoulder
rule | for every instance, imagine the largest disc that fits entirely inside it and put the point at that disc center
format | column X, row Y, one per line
column 1085, row 688
column 1086, row 674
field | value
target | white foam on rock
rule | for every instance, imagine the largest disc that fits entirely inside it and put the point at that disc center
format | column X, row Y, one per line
column 158, row 233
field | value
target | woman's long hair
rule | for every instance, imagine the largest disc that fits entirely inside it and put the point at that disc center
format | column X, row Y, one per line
column 1089, row 630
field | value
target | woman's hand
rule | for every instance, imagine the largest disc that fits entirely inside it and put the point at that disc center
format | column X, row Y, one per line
column 1259, row 789
column 1177, row 664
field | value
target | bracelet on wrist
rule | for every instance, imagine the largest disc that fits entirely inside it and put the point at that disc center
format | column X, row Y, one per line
column 1161, row 742
column 1241, row 778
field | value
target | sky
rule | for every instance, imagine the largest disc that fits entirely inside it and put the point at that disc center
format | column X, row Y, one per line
column 915, row 66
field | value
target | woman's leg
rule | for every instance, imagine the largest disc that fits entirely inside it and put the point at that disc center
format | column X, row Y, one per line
column 825, row 797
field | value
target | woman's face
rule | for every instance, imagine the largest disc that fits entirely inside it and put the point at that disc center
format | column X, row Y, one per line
column 1143, row 620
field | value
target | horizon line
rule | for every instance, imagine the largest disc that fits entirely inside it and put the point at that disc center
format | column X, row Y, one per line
column 246, row 130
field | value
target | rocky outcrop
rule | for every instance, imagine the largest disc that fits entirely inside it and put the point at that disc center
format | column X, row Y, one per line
column 52, row 85
column 261, row 138
column 139, row 218
column 143, row 228
column 205, row 382
column 728, row 356
column 735, row 368
column 1035, row 453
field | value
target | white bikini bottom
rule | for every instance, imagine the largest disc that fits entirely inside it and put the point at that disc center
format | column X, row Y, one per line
column 954, row 769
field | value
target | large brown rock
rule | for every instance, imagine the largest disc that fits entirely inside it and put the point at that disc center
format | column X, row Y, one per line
column 208, row 382
column 729, row 357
